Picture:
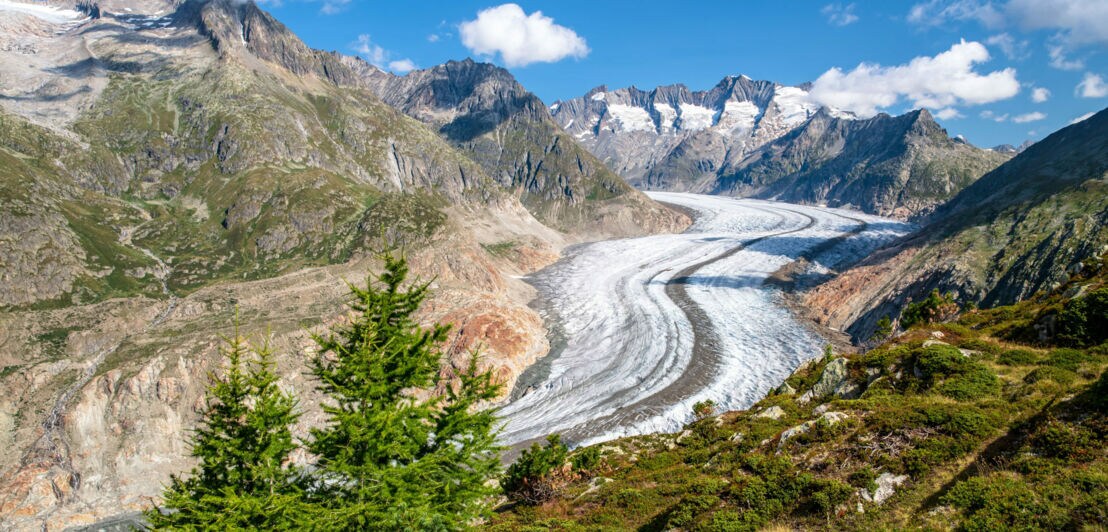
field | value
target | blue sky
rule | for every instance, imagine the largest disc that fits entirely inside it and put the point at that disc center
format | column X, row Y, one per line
column 1057, row 45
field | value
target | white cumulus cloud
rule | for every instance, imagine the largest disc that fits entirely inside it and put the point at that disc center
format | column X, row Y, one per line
column 949, row 113
column 402, row 66
column 1040, row 94
column 1028, row 117
column 519, row 38
column 1082, row 118
column 1059, row 60
column 1014, row 49
column 942, row 81
column 380, row 57
column 941, row 12
column 1093, row 86
column 989, row 115
column 840, row 15
column 1080, row 21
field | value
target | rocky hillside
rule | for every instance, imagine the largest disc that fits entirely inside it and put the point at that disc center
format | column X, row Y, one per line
column 671, row 138
column 959, row 426
column 482, row 110
column 163, row 164
column 1021, row 229
column 894, row 166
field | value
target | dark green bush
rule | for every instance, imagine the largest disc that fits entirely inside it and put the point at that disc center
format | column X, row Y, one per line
column 974, row 382
column 994, row 504
column 1084, row 321
column 732, row 521
column 1018, row 357
column 535, row 476
column 1065, row 441
column 830, row 495
column 704, row 409
column 1061, row 376
column 629, row 498
column 864, row 478
column 1069, row 359
column 587, row 459
column 935, row 308
column 685, row 512
column 953, row 374
column 977, row 344
column 938, row 361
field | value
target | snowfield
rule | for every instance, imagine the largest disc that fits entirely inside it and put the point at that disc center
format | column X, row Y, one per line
column 642, row 328
column 51, row 14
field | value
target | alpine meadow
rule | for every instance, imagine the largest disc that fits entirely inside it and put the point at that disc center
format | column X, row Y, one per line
column 350, row 265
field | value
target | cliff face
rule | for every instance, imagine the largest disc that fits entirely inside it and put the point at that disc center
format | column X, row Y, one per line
column 1021, row 229
column 162, row 164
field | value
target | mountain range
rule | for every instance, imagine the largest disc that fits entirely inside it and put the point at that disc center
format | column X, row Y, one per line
column 168, row 167
column 766, row 140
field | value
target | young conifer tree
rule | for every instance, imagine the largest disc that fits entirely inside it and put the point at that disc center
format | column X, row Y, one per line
column 391, row 455
column 243, row 480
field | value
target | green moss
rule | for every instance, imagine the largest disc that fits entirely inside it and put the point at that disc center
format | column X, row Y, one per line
column 501, row 249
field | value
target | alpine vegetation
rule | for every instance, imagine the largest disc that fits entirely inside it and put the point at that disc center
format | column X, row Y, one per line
column 390, row 455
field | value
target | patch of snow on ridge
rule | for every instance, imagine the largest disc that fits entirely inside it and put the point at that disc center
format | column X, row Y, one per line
column 694, row 117
column 598, row 96
column 630, row 118
column 668, row 115
column 50, row 14
column 738, row 116
column 794, row 105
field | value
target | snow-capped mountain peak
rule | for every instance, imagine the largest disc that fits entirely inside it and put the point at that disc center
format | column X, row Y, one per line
column 632, row 129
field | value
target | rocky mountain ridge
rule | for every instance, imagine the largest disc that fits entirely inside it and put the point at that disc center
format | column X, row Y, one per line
column 483, row 111
column 670, row 136
column 898, row 166
column 763, row 139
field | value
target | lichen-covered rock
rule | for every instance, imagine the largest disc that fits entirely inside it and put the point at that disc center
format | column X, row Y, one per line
column 832, row 380
column 773, row 412
column 886, row 487
column 831, row 418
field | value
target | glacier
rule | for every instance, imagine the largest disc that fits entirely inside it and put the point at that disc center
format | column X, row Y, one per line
column 643, row 328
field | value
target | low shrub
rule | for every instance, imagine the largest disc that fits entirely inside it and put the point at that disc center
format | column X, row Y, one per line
column 935, row 308
column 587, row 459
column 976, row 381
column 864, row 478
column 954, row 375
column 830, row 495
column 685, row 512
column 1061, row 376
column 1084, row 321
column 1069, row 359
column 1065, row 441
column 704, row 409
column 1018, row 357
column 539, row 474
